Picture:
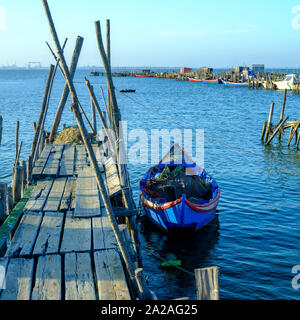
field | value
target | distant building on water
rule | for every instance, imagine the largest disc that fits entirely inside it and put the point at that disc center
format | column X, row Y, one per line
column 184, row 70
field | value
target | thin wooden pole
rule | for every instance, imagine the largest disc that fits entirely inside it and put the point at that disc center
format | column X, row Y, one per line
column 17, row 142
column 276, row 130
column 263, row 130
column 298, row 139
column 108, row 54
column 269, row 121
column 66, row 91
column 94, row 120
column 91, row 153
column 43, row 110
column 114, row 106
column 292, row 133
column 3, row 202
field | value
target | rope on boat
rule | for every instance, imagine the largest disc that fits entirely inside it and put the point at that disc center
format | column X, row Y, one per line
column 208, row 138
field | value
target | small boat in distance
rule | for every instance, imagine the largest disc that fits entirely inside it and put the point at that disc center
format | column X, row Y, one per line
column 94, row 73
column 178, row 195
column 235, row 84
column 127, row 90
column 290, row 82
column 212, row 81
column 195, row 80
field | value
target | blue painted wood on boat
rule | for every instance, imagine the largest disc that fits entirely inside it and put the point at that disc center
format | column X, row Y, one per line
column 181, row 213
column 235, row 84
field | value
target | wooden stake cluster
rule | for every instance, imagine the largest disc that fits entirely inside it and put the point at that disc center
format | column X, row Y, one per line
column 269, row 130
column 137, row 282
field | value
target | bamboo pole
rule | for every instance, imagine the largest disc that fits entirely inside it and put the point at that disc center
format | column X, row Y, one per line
column 66, row 91
column 276, row 130
column 42, row 112
column 91, row 155
column 269, row 121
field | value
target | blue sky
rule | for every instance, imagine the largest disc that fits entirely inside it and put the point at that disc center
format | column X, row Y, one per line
column 157, row 33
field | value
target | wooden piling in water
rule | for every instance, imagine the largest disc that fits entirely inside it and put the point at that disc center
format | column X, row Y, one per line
column 280, row 125
column 207, row 283
column 3, row 201
column 269, row 124
column 263, row 130
column 42, row 113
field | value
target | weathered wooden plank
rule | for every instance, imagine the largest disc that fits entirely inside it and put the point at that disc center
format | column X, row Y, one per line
column 81, row 158
column 52, row 165
column 55, row 195
column 112, row 177
column 99, row 156
column 68, row 161
column 48, row 278
column 12, row 220
column 23, row 241
column 39, row 196
column 18, row 279
column 111, row 281
column 49, row 235
column 39, row 164
column 77, row 235
column 87, row 199
column 103, row 235
column 79, row 280
column 68, row 199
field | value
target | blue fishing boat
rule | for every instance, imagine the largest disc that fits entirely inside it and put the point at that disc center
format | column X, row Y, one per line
column 235, row 84
column 177, row 194
column 213, row 81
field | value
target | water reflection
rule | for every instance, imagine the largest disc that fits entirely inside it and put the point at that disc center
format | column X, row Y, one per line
column 192, row 249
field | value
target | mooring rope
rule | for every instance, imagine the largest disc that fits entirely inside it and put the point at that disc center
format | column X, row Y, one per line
column 208, row 138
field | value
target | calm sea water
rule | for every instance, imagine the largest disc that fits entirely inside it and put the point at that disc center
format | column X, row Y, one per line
column 256, row 235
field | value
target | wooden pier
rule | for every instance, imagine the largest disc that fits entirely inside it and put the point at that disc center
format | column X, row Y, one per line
column 64, row 246
column 72, row 233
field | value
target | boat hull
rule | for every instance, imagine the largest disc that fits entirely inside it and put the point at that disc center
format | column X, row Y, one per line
column 215, row 81
column 195, row 80
column 179, row 217
column 235, row 84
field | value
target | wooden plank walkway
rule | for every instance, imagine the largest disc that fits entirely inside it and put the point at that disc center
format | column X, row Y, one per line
column 64, row 246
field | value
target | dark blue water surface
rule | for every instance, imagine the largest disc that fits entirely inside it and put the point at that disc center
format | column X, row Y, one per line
column 255, row 237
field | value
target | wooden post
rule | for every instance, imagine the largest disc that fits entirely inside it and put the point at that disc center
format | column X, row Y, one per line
column 207, row 280
column 1, row 128
column 94, row 121
column 91, row 155
column 108, row 54
column 263, row 131
column 17, row 141
column 114, row 116
column 292, row 133
column 66, row 91
column 29, row 170
column 297, row 142
column 23, row 166
column 43, row 110
column 3, row 202
column 276, row 130
column 17, row 184
column 34, row 126
column 269, row 121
